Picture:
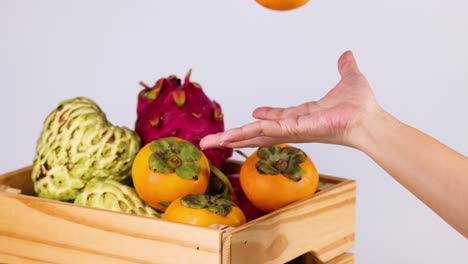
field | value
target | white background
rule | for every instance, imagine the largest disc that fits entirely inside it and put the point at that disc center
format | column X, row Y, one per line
column 414, row 54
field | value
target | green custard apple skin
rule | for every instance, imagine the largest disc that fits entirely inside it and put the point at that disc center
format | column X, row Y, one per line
column 112, row 195
column 78, row 143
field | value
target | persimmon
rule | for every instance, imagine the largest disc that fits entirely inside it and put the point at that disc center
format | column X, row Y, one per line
column 204, row 210
column 169, row 168
column 282, row 5
column 273, row 177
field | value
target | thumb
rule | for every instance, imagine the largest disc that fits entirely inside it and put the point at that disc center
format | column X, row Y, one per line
column 347, row 64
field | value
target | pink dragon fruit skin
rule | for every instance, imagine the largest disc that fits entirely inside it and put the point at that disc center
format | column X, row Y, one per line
column 171, row 109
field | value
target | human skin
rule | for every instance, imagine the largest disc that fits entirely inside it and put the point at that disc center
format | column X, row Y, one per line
column 349, row 115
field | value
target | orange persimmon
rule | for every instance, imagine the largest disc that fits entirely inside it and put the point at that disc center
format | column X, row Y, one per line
column 204, row 210
column 273, row 177
column 282, row 5
column 169, row 168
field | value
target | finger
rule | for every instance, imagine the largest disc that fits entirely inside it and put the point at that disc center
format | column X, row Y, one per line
column 311, row 128
column 347, row 65
column 211, row 141
column 270, row 128
column 222, row 139
column 260, row 141
column 277, row 113
column 252, row 130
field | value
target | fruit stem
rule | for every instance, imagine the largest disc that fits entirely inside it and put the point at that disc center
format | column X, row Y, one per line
column 280, row 165
column 218, row 173
column 242, row 154
column 145, row 85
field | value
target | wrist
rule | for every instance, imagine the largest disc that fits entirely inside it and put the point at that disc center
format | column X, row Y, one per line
column 372, row 128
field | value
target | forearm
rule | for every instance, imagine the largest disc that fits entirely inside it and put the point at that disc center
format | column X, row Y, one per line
column 433, row 172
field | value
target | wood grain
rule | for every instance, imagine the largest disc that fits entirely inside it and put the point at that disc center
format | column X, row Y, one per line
column 49, row 231
column 323, row 225
column 36, row 230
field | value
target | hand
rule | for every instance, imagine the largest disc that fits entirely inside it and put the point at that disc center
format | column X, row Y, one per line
column 336, row 118
column 349, row 115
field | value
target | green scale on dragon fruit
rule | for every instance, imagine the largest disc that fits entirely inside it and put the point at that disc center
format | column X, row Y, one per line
column 170, row 108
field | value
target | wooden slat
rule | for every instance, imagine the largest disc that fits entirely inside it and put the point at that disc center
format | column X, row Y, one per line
column 324, row 224
column 19, row 179
column 346, row 258
column 39, row 229
column 6, row 259
column 8, row 189
column 23, row 250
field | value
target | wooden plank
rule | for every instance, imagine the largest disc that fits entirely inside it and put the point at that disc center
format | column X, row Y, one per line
column 23, row 250
column 324, row 224
column 19, row 179
column 346, row 258
column 5, row 259
column 49, row 231
column 8, row 189
column 39, row 229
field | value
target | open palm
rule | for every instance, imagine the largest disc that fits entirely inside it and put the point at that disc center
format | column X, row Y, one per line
column 332, row 119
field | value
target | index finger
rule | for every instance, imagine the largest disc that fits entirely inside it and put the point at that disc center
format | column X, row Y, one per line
column 269, row 128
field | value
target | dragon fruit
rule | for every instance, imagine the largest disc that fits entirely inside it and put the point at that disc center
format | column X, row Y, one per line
column 170, row 109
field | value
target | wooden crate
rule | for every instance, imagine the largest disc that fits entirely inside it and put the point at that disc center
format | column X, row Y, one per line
column 319, row 229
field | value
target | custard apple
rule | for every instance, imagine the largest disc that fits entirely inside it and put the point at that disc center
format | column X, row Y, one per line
column 113, row 195
column 78, row 143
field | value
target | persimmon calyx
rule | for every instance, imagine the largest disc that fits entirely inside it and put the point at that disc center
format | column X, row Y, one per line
column 215, row 204
column 282, row 160
column 179, row 156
